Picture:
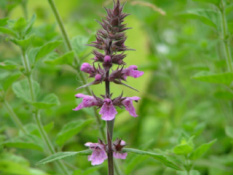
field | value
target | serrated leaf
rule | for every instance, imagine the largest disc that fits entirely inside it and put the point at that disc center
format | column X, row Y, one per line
column 229, row 131
column 201, row 150
column 22, row 89
column 222, row 78
column 62, row 155
column 161, row 158
column 7, row 31
column 71, row 129
column 46, row 49
column 64, row 59
column 206, row 16
column 25, row 142
column 48, row 101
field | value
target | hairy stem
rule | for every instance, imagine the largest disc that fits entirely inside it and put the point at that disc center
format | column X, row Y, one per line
column 109, row 130
column 37, row 115
column 76, row 61
column 225, row 36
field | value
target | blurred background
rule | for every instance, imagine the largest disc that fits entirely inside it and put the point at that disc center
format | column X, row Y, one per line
column 174, row 41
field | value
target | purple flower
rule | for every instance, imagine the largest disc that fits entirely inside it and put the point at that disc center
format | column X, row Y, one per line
column 107, row 59
column 86, row 67
column 88, row 101
column 108, row 110
column 98, row 153
column 128, row 103
column 132, row 71
column 117, row 148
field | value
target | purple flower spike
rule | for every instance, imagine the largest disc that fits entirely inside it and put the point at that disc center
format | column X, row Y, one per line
column 98, row 155
column 108, row 111
column 132, row 71
column 117, row 146
column 86, row 67
column 128, row 103
column 88, row 101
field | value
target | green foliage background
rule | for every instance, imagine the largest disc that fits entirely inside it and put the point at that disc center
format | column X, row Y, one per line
column 185, row 112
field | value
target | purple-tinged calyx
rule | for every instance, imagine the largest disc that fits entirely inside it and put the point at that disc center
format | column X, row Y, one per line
column 98, row 152
column 108, row 110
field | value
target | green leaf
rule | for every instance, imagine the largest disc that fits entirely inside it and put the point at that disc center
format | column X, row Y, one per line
column 47, row 48
column 30, row 24
column 64, row 59
column 206, row 16
column 183, row 149
column 224, row 95
column 201, row 150
column 25, row 142
column 162, row 158
column 12, row 168
column 7, row 31
column 222, row 78
column 79, row 43
column 19, row 25
column 62, row 155
column 71, row 129
column 8, row 65
column 22, row 89
column 216, row 2
column 24, row 43
column 192, row 172
column 48, row 101
column 10, row 79
column 229, row 131
column 3, row 21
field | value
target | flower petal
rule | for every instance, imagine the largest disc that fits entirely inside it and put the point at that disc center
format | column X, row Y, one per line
column 119, row 155
column 108, row 110
column 88, row 101
column 128, row 103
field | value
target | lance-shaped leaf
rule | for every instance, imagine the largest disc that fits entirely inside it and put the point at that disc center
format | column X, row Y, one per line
column 25, row 142
column 71, row 129
column 64, row 59
column 161, row 158
column 62, row 155
column 201, row 150
column 222, row 78
column 46, row 49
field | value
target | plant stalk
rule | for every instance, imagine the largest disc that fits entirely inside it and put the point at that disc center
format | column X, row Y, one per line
column 225, row 36
column 14, row 117
column 37, row 115
column 76, row 61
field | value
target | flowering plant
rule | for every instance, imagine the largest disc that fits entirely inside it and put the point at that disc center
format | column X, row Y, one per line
column 110, row 41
